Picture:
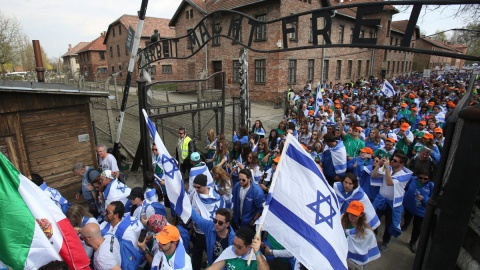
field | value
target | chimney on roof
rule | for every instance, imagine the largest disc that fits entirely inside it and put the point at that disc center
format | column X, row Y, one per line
column 69, row 47
column 103, row 33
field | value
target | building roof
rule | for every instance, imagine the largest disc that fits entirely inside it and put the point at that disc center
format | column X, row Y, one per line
column 150, row 24
column 95, row 45
column 352, row 12
column 401, row 26
column 47, row 88
column 75, row 49
column 438, row 44
column 211, row 6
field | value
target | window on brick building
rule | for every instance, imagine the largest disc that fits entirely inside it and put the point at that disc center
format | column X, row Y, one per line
column 111, row 52
column 292, row 71
column 237, row 27
column 166, row 69
column 236, row 71
column 367, row 70
column 388, row 67
column 338, row 70
column 153, row 70
column 362, row 34
column 403, row 66
column 306, row 1
column 76, row 61
column 351, row 35
column 393, row 67
column 261, row 30
column 310, row 69
column 349, row 69
column 189, row 14
column 294, row 25
column 119, row 30
column 113, row 69
column 398, row 67
column 216, row 40
column 359, row 68
column 385, row 53
column 101, row 55
column 326, row 68
column 341, row 32
column 260, row 71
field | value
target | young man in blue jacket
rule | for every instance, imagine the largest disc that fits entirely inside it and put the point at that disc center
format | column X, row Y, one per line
column 218, row 233
column 247, row 200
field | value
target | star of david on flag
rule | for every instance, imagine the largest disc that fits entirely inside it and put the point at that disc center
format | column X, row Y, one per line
column 302, row 211
column 387, row 89
column 173, row 178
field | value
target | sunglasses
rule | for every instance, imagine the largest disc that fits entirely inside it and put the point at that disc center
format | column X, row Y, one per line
column 220, row 223
column 154, row 149
column 395, row 160
column 242, row 179
column 108, row 212
column 422, row 178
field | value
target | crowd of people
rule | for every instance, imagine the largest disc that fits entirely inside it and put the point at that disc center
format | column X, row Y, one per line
column 378, row 153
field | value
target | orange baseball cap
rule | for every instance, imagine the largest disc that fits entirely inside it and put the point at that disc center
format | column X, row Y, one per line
column 355, row 208
column 338, row 106
column 414, row 109
column 428, row 136
column 404, row 126
column 423, row 123
column 411, row 96
column 276, row 160
column 431, row 103
column 367, row 150
column 403, row 105
column 438, row 130
column 168, row 234
column 359, row 129
column 391, row 140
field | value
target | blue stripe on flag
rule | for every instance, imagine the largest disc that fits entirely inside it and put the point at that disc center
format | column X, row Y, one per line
column 307, row 232
column 310, row 164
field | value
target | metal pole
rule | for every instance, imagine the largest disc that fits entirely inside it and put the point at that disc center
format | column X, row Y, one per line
column 38, row 61
column 131, row 66
column 144, row 134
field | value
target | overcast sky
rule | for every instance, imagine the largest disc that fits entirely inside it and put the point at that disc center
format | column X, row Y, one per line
column 59, row 23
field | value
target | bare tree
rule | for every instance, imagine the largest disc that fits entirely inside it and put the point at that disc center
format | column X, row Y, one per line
column 10, row 35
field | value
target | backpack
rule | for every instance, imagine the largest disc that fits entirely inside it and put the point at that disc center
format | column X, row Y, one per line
column 159, row 208
column 131, row 256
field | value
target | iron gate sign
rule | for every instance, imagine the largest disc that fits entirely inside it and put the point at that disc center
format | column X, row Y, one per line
column 365, row 17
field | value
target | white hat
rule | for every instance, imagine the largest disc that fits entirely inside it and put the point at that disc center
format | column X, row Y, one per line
column 107, row 174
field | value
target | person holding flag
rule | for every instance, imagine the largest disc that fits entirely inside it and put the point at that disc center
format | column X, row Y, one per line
column 179, row 202
column 387, row 89
column 309, row 226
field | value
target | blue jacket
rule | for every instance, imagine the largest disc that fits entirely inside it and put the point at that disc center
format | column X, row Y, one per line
column 243, row 140
column 208, row 228
column 252, row 204
column 327, row 164
column 409, row 200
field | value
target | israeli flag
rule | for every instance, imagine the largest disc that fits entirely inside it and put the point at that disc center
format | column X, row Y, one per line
column 310, row 225
column 173, row 178
column 318, row 101
column 387, row 89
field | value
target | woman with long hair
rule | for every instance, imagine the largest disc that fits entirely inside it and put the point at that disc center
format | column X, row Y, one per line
column 282, row 128
column 313, row 139
column 373, row 140
column 373, row 121
column 211, row 146
column 258, row 129
column 262, row 152
column 252, row 163
column 304, row 135
column 223, row 185
column 362, row 243
column 273, row 139
column 220, row 158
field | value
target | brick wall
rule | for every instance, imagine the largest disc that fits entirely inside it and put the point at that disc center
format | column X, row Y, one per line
column 89, row 62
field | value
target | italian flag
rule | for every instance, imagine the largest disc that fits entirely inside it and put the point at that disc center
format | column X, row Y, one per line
column 33, row 230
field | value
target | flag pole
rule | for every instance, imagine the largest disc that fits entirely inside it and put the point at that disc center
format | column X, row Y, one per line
column 272, row 186
column 131, row 66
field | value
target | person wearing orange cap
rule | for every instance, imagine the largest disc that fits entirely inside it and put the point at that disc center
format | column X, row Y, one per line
column 403, row 112
column 404, row 137
column 171, row 254
column 352, row 142
column 427, row 141
column 438, row 138
column 421, row 128
column 362, row 243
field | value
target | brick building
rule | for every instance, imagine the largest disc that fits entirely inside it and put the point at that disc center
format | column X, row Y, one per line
column 92, row 60
column 117, row 55
column 425, row 61
column 271, row 74
column 71, row 59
